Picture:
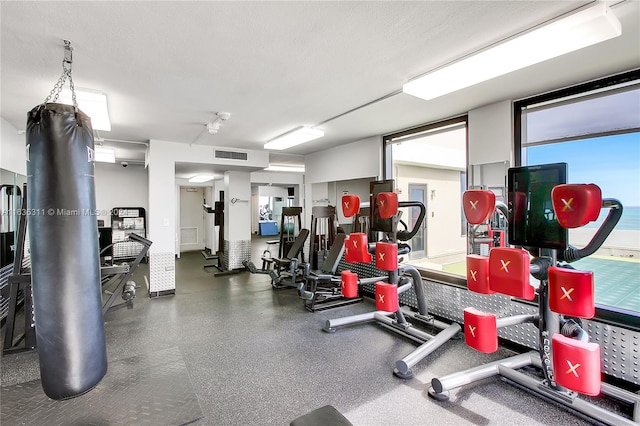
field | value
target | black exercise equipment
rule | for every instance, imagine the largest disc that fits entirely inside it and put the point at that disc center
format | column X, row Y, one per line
column 18, row 293
column 290, row 227
column 218, row 220
column 63, row 236
column 323, row 416
column 323, row 232
column 7, row 228
column 541, row 208
column 384, row 220
column 120, row 275
column 323, row 288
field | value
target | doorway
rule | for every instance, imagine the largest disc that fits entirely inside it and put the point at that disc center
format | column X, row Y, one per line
column 192, row 219
column 417, row 192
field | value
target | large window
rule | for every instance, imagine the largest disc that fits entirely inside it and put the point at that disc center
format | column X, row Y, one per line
column 427, row 164
column 597, row 133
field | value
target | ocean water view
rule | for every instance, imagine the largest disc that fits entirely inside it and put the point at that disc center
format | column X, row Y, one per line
column 630, row 220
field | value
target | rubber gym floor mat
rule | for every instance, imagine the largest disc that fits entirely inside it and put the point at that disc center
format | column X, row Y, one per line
column 147, row 389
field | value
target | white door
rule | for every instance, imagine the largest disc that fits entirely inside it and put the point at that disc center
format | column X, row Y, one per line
column 192, row 217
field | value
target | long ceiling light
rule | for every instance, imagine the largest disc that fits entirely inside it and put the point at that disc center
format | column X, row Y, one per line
column 283, row 168
column 295, row 137
column 581, row 29
column 200, row 179
column 91, row 102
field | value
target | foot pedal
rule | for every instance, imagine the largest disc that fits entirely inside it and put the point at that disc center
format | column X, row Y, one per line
column 576, row 364
column 250, row 266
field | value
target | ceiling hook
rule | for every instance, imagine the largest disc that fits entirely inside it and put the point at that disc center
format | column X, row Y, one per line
column 68, row 53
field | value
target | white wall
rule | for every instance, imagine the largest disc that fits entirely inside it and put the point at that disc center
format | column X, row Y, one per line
column 13, row 154
column 118, row 186
column 351, row 161
column 491, row 134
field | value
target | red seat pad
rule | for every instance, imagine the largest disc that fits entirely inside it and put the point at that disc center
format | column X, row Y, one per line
column 480, row 330
column 387, row 204
column 386, row 297
column 509, row 272
column 478, row 274
column 350, row 205
column 478, row 205
column 576, row 204
column 576, row 364
column 571, row 292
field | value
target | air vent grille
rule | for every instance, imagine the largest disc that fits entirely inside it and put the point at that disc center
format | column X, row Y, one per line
column 230, row 155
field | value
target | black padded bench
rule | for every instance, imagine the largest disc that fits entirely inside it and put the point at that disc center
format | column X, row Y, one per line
column 322, row 416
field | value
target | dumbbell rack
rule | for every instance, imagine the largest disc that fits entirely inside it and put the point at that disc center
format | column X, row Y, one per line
column 398, row 280
column 570, row 365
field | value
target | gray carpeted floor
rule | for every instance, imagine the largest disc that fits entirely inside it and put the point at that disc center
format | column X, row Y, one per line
column 255, row 356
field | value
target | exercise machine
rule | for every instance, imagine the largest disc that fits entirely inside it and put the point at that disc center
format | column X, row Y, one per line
column 116, row 279
column 384, row 218
column 541, row 209
column 284, row 271
column 323, row 288
column 218, row 220
column 323, row 233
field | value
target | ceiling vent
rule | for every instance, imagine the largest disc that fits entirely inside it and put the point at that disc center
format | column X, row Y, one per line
column 230, row 155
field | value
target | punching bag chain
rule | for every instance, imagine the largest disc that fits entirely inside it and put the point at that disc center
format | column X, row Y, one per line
column 67, row 61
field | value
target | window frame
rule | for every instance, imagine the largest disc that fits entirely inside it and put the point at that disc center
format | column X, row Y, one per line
column 387, row 170
column 607, row 314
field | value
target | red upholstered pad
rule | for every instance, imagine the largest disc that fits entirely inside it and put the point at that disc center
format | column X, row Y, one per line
column 478, row 205
column 350, row 205
column 509, row 272
column 478, row 274
column 386, row 297
column 576, row 204
column 480, row 330
column 349, row 284
column 356, row 248
column 571, row 292
column 386, row 256
column 387, row 204
column 576, row 364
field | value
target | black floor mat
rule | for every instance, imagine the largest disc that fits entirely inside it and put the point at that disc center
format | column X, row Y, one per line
column 147, row 389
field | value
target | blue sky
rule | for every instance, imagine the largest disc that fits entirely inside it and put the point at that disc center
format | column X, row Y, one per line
column 611, row 162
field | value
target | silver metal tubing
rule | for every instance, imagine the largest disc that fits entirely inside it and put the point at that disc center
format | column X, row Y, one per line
column 577, row 404
column 474, row 374
column 405, row 364
column 330, row 325
column 516, row 319
column 402, row 328
column 365, row 281
column 404, row 288
column 623, row 395
column 418, row 288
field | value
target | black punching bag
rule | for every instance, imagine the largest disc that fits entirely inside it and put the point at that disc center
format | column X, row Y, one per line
column 63, row 237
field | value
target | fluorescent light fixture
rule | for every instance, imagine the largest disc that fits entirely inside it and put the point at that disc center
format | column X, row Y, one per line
column 584, row 28
column 282, row 168
column 105, row 155
column 91, row 102
column 295, row 137
column 201, row 179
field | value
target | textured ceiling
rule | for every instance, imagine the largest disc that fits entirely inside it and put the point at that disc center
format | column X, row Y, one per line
column 168, row 67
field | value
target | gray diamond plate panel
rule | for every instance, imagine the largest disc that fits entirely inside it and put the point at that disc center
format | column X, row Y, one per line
column 620, row 348
column 152, row 389
column 234, row 253
column 162, row 271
